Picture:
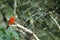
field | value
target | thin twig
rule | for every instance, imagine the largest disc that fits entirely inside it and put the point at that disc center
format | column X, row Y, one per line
column 26, row 30
column 15, row 5
column 55, row 21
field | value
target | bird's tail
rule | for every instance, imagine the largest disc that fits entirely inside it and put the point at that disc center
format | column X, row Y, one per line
column 7, row 27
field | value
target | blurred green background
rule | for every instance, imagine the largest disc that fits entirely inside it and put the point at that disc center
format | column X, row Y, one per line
column 34, row 15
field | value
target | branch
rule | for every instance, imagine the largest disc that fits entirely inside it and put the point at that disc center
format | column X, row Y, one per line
column 26, row 30
column 55, row 21
column 15, row 5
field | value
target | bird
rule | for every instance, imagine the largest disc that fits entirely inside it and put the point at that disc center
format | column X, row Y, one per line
column 10, row 22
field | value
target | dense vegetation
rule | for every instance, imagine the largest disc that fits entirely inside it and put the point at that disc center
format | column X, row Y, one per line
column 36, row 15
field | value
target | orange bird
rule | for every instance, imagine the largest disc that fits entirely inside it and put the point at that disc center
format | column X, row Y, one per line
column 11, row 21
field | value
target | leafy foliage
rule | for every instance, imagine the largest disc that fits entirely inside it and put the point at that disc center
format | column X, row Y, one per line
column 33, row 14
column 8, row 34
